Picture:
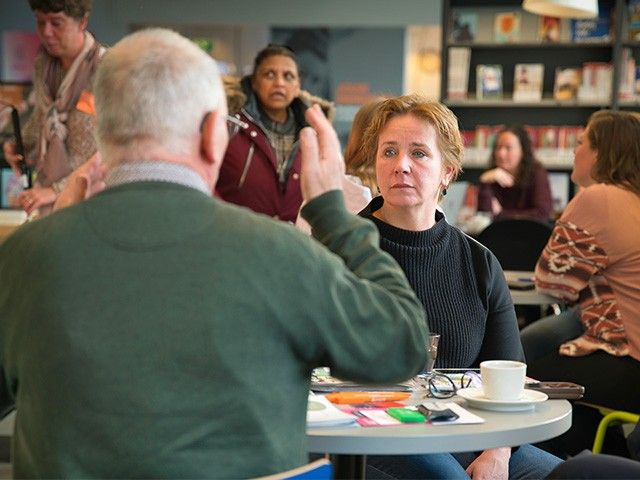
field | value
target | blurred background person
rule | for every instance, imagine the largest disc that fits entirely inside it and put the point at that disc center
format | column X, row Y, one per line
column 417, row 150
column 359, row 181
column 592, row 262
column 516, row 184
column 356, row 162
column 58, row 137
column 261, row 169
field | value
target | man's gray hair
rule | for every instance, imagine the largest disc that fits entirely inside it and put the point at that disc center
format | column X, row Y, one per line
column 152, row 89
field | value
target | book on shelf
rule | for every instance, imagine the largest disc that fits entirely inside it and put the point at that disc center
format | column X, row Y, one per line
column 634, row 20
column 592, row 30
column 596, row 84
column 486, row 135
column 488, row 82
column 527, row 82
column 637, row 84
column 547, row 137
column 627, row 75
column 549, row 29
column 567, row 83
column 464, row 26
column 458, row 72
column 468, row 137
column 552, row 144
column 506, row 27
column 568, row 136
column 533, row 135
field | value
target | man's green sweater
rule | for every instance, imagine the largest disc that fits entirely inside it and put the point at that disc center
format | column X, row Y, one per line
column 153, row 331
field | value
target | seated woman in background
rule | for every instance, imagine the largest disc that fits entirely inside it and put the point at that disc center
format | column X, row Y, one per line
column 355, row 160
column 592, row 261
column 516, row 185
column 417, row 150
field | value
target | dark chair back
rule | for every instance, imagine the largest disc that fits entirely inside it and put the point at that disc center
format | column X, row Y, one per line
column 516, row 242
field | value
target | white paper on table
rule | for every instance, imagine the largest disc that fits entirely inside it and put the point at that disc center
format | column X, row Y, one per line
column 322, row 413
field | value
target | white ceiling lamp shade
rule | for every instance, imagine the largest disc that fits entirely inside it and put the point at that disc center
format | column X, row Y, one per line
column 562, row 8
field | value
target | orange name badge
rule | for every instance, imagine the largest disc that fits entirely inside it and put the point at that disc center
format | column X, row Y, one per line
column 86, row 103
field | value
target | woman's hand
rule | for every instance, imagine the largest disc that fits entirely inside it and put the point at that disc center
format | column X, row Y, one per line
column 496, row 207
column 12, row 158
column 84, row 181
column 35, row 198
column 492, row 464
column 499, row 176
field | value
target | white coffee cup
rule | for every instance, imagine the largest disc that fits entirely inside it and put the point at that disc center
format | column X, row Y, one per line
column 503, row 379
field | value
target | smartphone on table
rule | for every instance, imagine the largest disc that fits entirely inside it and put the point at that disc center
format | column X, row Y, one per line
column 565, row 390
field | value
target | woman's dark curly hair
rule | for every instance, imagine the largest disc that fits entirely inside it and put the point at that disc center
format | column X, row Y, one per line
column 77, row 9
column 528, row 163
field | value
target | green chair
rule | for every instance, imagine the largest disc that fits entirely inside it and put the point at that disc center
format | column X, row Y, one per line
column 613, row 417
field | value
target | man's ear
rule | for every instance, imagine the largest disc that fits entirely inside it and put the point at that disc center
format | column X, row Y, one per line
column 212, row 145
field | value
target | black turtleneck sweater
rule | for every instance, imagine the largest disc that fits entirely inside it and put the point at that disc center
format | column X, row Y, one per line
column 462, row 288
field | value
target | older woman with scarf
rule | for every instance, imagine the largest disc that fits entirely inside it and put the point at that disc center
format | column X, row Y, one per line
column 59, row 135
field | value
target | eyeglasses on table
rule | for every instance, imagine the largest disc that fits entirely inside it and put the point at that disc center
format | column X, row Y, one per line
column 442, row 385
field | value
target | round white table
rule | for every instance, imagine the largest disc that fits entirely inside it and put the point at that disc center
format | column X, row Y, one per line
column 500, row 429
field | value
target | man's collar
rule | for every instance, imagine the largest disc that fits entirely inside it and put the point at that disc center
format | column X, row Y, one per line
column 155, row 171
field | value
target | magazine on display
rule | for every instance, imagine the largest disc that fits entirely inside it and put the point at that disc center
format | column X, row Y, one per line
column 527, row 82
column 592, row 30
column 464, row 27
column 458, row 72
column 567, row 83
column 488, row 82
column 507, row 27
column 549, row 29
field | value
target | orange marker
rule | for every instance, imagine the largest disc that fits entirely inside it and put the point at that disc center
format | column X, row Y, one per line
column 366, row 397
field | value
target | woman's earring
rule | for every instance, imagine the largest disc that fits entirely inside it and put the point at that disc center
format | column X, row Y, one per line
column 444, row 191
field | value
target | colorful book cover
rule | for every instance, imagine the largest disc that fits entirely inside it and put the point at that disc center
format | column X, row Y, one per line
column 464, row 26
column 634, row 20
column 567, row 83
column 592, row 30
column 548, row 137
column 596, row 82
column 458, row 72
column 568, row 136
column 549, row 29
column 488, row 82
column 11, row 186
column 507, row 27
column 527, row 82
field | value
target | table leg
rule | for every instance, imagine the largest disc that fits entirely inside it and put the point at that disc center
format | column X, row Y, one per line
column 349, row 466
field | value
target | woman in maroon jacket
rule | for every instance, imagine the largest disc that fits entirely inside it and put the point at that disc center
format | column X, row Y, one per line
column 516, row 184
column 261, row 169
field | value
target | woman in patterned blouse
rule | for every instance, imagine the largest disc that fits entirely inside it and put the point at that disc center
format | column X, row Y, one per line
column 592, row 262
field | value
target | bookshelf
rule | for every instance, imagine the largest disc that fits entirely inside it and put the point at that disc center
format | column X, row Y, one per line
column 527, row 48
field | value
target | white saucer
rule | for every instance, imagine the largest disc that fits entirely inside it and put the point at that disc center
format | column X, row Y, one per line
column 475, row 398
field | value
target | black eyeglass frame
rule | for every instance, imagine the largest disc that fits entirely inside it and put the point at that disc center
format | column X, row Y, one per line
column 435, row 391
column 234, row 124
